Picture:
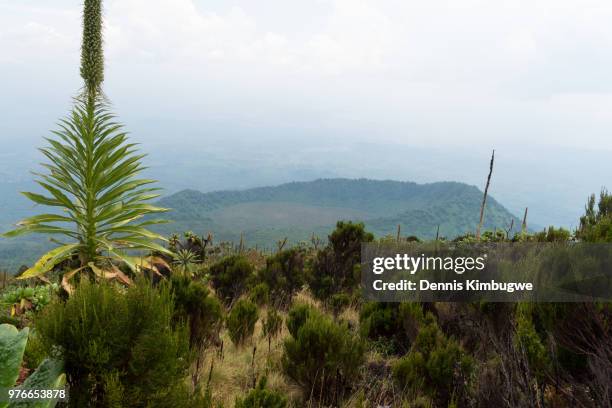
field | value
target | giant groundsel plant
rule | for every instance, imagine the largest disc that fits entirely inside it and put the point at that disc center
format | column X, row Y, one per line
column 92, row 178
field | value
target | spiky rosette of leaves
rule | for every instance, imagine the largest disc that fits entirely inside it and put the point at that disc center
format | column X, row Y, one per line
column 92, row 178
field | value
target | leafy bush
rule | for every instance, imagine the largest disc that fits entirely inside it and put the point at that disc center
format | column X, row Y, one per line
column 528, row 340
column 230, row 277
column 596, row 223
column 28, row 298
column 241, row 321
column 284, row 274
column 195, row 305
column 395, row 324
column 118, row 347
column 297, row 316
column 336, row 267
column 321, row 355
column 339, row 302
column 35, row 352
column 435, row 364
column 272, row 325
column 262, row 397
column 260, row 294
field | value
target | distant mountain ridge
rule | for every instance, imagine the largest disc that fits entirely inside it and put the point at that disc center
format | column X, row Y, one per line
column 299, row 209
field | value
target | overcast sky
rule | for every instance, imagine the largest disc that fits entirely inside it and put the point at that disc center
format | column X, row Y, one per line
column 416, row 72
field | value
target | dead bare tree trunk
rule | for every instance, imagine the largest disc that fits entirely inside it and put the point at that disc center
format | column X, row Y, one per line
column 524, row 225
column 241, row 246
column 399, row 231
column 509, row 228
column 484, row 197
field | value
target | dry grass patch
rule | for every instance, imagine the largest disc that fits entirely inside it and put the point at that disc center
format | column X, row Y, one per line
column 235, row 371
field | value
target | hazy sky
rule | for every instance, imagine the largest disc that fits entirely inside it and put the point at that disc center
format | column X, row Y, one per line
column 417, row 72
column 518, row 76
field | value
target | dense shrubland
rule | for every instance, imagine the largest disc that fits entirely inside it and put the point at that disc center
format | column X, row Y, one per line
column 232, row 333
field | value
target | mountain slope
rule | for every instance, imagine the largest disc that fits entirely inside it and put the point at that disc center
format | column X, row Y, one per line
column 299, row 209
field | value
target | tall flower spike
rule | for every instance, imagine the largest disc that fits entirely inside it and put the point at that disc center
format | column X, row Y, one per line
column 92, row 53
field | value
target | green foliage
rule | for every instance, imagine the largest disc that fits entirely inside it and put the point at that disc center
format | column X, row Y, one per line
column 37, row 297
column 241, row 321
column 297, row 316
column 119, row 345
column 262, row 397
column 322, row 355
column 316, row 206
column 528, row 340
column 395, row 324
column 35, row 352
column 195, row 305
column 12, row 346
column 435, row 364
column 284, row 273
column 272, row 324
column 552, row 234
column 185, row 262
column 336, row 267
column 91, row 176
column 230, row 277
column 48, row 375
column 338, row 302
column 596, row 223
column 260, row 294
column 380, row 321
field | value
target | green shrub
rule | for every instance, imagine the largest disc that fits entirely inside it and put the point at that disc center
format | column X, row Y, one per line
column 272, row 325
column 436, row 365
column 393, row 325
column 195, row 305
column 297, row 316
column 323, row 357
column 35, row 352
column 284, row 274
column 339, row 302
column 119, row 347
column 28, row 298
column 337, row 266
column 262, row 397
column 528, row 340
column 241, row 321
column 230, row 277
column 596, row 223
column 260, row 294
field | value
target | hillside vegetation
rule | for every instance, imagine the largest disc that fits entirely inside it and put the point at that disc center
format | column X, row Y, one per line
column 241, row 328
column 297, row 210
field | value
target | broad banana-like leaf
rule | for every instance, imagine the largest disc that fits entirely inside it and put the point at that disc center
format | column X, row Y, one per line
column 12, row 346
column 48, row 376
column 49, row 260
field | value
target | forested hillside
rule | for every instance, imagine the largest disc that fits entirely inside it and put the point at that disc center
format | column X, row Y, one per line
column 297, row 210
